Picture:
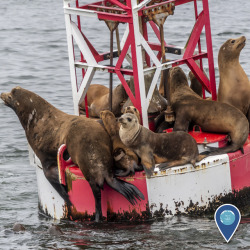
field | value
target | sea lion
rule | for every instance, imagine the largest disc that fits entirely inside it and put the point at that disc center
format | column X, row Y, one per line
column 133, row 110
column 18, row 227
column 157, row 102
column 98, row 99
column 211, row 116
column 195, row 84
column 125, row 159
column 168, row 149
column 55, row 230
column 47, row 128
column 234, row 87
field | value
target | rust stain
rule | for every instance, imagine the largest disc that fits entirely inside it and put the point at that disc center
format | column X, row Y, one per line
column 70, row 177
column 71, row 213
column 130, row 179
column 163, row 171
column 131, row 215
column 240, row 199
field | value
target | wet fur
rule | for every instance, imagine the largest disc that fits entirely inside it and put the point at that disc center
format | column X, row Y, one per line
column 47, row 128
column 98, row 99
column 211, row 116
column 234, row 87
column 133, row 110
column 171, row 149
column 125, row 159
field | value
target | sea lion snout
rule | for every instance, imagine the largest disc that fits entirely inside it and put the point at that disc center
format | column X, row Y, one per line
column 7, row 98
column 241, row 42
column 121, row 120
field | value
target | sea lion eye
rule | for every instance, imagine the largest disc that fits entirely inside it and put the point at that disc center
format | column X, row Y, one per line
column 129, row 119
column 233, row 41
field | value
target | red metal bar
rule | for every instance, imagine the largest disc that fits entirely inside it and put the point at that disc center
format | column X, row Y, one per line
column 126, row 87
column 180, row 2
column 209, row 50
column 114, row 17
column 123, row 54
column 157, row 4
column 199, row 74
column 131, row 36
column 120, row 4
column 195, row 36
column 199, row 45
column 93, row 6
column 184, row 60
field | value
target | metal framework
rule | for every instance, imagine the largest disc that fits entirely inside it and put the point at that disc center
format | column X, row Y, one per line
column 135, row 47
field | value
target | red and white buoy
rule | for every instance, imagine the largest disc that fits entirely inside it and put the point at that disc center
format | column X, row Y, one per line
column 182, row 189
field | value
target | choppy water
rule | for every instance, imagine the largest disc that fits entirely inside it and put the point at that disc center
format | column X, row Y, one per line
column 33, row 54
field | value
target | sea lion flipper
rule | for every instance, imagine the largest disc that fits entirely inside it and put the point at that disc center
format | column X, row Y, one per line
column 51, row 173
column 128, row 190
column 121, row 173
column 98, row 198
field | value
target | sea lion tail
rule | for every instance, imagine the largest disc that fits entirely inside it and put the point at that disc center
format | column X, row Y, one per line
column 227, row 149
column 128, row 190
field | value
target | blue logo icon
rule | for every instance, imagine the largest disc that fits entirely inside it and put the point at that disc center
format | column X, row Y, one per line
column 227, row 218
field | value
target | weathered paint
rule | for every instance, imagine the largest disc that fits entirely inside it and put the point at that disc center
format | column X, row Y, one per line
column 174, row 189
column 112, row 202
column 49, row 200
column 179, row 190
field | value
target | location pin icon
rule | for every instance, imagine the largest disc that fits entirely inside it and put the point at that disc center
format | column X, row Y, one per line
column 227, row 218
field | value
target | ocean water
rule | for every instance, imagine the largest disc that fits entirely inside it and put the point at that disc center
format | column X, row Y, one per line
column 33, row 55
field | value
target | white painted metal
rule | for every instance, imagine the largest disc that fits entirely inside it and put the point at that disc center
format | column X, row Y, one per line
column 79, row 12
column 185, row 184
column 139, row 59
column 141, row 5
column 71, row 59
column 49, row 199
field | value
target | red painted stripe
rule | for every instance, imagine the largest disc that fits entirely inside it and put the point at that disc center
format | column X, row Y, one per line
column 240, row 167
column 82, row 196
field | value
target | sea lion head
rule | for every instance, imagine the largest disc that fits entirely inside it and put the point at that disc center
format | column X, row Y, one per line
column 26, row 104
column 106, row 114
column 177, row 78
column 109, row 122
column 129, row 121
column 133, row 110
column 21, row 100
column 231, row 49
column 11, row 99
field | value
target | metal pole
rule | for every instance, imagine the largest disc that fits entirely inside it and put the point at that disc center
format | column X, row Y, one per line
column 111, row 74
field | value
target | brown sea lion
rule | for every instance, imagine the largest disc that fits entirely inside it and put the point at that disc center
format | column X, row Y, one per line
column 195, row 84
column 168, row 149
column 125, row 159
column 157, row 102
column 18, row 227
column 88, row 144
column 133, row 110
column 234, row 87
column 55, row 230
column 211, row 116
column 98, row 99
